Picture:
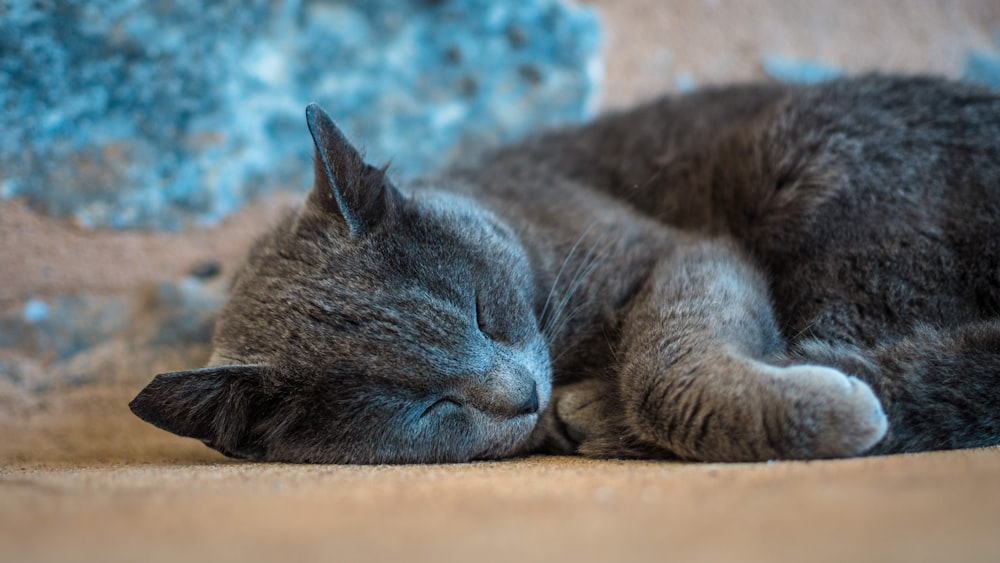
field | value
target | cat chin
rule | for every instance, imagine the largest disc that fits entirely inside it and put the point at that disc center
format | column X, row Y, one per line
column 513, row 441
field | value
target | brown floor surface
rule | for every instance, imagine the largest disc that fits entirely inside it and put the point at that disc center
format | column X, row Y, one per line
column 928, row 507
column 81, row 479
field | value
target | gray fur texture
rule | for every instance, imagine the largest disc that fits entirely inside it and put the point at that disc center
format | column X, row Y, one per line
column 743, row 273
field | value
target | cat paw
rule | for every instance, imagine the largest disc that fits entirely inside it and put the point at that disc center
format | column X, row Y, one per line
column 827, row 413
column 586, row 418
column 580, row 409
column 572, row 418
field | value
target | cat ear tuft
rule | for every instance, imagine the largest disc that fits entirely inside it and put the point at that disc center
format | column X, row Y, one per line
column 218, row 405
column 345, row 186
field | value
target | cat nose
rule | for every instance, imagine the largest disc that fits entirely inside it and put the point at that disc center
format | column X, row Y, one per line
column 530, row 405
column 506, row 393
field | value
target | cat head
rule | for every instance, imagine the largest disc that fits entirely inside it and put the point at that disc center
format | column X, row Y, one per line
column 372, row 326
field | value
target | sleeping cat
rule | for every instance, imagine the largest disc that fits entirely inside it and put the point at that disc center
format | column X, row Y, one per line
column 743, row 273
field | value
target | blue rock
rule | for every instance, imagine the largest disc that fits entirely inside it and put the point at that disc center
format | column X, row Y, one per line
column 799, row 71
column 62, row 330
column 35, row 310
column 982, row 68
column 185, row 312
column 131, row 113
column 684, row 82
column 65, row 326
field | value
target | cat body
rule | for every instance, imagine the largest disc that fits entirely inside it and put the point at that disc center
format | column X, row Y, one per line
column 742, row 273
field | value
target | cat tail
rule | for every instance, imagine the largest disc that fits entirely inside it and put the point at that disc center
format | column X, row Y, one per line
column 939, row 387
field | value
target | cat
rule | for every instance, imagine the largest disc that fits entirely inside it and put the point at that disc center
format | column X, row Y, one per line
column 743, row 273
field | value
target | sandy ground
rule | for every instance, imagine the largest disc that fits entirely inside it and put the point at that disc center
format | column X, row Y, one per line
column 82, row 479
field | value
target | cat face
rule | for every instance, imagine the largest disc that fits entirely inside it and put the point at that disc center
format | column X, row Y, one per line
column 370, row 327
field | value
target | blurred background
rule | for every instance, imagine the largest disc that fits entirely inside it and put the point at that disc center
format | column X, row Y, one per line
column 143, row 145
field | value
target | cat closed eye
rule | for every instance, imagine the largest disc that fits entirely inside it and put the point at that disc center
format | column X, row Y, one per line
column 442, row 405
column 482, row 320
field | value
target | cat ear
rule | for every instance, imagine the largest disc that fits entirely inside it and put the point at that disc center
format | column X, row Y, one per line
column 345, row 186
column 217, row 405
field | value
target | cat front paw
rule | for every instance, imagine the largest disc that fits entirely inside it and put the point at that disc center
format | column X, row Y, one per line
column 585, row 418
column 580, row 408
column 828, row 413
column 588, row 417
column 573, row 417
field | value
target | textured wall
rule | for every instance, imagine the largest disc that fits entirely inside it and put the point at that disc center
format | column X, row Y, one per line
column 132, row 113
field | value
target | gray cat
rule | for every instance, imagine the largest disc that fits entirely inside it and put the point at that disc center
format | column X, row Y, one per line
column 744, row 273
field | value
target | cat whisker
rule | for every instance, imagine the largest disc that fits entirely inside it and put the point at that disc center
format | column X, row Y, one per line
column 595, row 256
column 804, row 330
column 565, row 319
column 554, row 322
column 562, row 267
column 611, row 347
column 568, row 318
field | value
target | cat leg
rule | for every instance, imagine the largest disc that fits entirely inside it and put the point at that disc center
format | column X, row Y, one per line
column 939, row 387
column 699, row 374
